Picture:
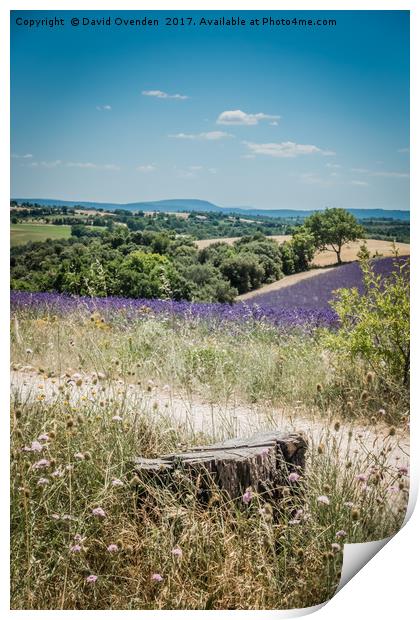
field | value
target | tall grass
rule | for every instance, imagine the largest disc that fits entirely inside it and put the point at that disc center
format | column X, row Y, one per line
column 80, row 537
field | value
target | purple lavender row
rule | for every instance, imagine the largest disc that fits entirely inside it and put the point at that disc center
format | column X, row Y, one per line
column 61, row 304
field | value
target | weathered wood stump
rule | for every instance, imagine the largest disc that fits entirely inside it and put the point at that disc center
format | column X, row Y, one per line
column 262, row 463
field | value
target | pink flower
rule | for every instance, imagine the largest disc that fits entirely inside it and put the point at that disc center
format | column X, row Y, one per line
column 293, row 477
column 117, row 483
column 294, row 522
column 403, row 470
column 341, row 534
column 362, row 477
column 79, row 456
column 393, row 489
column 43, row 437
column 349, row 504
column 42, row 482
column 75, row 549
column 78, row 538
column 323, row 499
column 99, row 512
column 112, row 548
column 36, row 446
column 177, row 552
column 41, row 464
column 247, row 496
column 335, row 547
column 156, row 577
column 58, row 473
column 92, row 579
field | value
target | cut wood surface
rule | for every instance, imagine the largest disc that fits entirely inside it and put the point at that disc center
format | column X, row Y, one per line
column 261, row 463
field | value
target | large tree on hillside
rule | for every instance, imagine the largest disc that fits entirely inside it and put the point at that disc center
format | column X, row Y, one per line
column 333, row 228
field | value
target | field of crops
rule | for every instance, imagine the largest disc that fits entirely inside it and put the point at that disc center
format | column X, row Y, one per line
column 22, row 233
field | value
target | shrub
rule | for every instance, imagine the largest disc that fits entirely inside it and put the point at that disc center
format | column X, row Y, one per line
column 375, row 324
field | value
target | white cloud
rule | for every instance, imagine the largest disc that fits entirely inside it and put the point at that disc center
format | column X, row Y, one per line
column 213, row 170
column 46, row 164
column 146, row 168
column 332, row 165
column 285, row 149
column 90, row 165
column 394, row 175
column 207, row 135
column 359, row 183
column 160, row 94
column 273, row 123
column 26, row 156
column 359, row 170
column 405, row 150
column 106, row 108
column 238, row 117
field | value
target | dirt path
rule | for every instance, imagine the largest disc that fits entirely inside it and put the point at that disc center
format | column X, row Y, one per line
column 284, row 282
column 217, row 421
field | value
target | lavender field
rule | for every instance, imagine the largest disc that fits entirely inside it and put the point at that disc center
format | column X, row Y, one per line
column 315, row 294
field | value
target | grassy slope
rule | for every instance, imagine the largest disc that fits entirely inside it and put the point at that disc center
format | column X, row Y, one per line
column 22, row 233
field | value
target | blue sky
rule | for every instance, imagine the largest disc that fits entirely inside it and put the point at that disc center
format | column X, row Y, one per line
column 270, row 117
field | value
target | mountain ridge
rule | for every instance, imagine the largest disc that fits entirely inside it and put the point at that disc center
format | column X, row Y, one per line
column 195, row 205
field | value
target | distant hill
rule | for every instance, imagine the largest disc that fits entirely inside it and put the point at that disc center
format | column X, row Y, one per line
column 189, row 204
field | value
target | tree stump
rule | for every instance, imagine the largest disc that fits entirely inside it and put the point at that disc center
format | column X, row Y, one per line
column 261, row 463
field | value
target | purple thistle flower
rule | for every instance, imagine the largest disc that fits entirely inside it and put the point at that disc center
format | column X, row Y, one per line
column 294, row 477
column 43, row 437
column 99, row 512
column 42, row 482
column 75, row 548
column 362, row 477
column 112, row 548
column 92, row 579
column 116, row 482
column 156, row 577
column 403, row 470
column 177, row 551
column 341, row 534
column 323, row 499
column 42, row 464
column 36, row 446
column 247, row 496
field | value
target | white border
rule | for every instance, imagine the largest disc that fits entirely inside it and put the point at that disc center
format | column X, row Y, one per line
column 386, row 587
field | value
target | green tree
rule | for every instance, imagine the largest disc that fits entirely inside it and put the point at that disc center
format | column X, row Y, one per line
column 333, row 228
column 244, row 272
column 145, row 275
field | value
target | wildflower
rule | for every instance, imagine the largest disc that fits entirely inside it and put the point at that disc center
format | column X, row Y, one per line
column 29, row 351
column 294, row 522
column 364, row 395
column 117, row 418
column 36, row 446
column 382, row 412
column 323, row 499
column 341, row 534
column 79, row 456
column 43, row 437
column 75, row 548
column 99, row 512
column 91, row 579
column 42, row 482
column 112, row 548
column 369, row 377
column 393, row 489
column 42, row 464
column 177, row 552
column 78, row 538
column 362, row 477
column 247, row 496
column 156, row 577
column 336, row 547
column 392, row 431
column 403, row 471
column 337, row 425
column 293, row 477
column 116, row 482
